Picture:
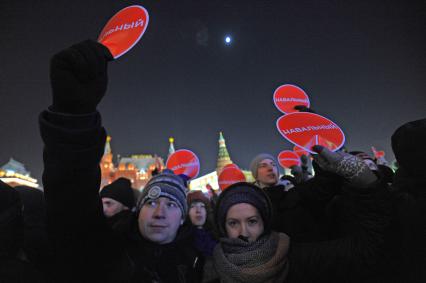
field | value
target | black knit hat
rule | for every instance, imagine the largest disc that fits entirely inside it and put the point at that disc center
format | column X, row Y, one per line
column 243, row 193
column 121, row 191
column 408, row 146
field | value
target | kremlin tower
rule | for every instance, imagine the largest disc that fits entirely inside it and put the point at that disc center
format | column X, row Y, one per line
column 223, row 158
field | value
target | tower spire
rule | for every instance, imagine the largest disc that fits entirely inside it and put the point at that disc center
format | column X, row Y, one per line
column 107, row 149
column 223, row 158
column 171, row 147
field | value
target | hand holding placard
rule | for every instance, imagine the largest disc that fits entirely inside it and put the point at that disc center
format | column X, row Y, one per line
column 305, row 128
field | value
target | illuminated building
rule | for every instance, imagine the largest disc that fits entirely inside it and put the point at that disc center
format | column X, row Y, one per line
column 14, row 174
column 138, row 168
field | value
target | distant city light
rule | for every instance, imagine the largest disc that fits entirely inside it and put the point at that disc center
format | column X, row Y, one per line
column 227, row 40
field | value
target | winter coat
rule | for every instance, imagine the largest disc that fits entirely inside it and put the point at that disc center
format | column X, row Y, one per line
column 405, row 250
column 301, row 211
column 14, row 266
column 86, row 249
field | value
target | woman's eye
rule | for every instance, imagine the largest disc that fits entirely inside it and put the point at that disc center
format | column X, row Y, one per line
column 252, row 221
column 232, row 223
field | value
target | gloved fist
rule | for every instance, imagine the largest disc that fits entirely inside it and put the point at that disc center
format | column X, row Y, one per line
column 344, row 164
column 78, row 77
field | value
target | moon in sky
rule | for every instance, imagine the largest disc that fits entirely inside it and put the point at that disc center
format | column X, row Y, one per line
column 228, row 40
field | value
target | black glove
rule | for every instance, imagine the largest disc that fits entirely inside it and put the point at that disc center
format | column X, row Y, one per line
column 303, row 108
column 78, row 77
column 353, row 169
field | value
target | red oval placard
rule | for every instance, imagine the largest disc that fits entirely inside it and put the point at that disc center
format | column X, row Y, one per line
column 300, row 151
column 124, row 30
column 287, row 96
column 306, row 129
column 184, row 161
column 288, row 159
column 229, row 166
column 230, row 174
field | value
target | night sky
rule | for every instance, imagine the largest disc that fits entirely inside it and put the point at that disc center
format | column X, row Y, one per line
column 362, row 63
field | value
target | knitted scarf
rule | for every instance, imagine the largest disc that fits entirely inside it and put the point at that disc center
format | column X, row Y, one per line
column 264, row 260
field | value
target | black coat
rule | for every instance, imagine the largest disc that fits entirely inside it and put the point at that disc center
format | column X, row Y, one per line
column 301, row 211
column 405, row 257
column 86, row 249
column 337, row 232
column 356, row 253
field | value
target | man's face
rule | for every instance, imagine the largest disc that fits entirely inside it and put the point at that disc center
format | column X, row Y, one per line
column 267, row 172
column 112, row 207
column 198, row 213
column 159, row 220
column 244, row 220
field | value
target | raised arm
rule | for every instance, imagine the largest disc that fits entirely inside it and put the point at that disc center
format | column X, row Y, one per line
column 354, row 255
column 74, row 139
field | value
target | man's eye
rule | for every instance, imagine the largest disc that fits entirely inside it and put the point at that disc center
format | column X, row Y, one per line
column 171, row 204
column 151, row 203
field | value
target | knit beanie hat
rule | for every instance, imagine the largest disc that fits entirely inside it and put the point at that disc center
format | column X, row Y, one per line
column 198, row 196
column 166, row 185
column 243, row 193
column 254, row 165
column 408, row 146
column 121, row 191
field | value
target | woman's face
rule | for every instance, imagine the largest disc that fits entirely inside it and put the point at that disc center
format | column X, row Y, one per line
column 198, row 213
column 243, row 221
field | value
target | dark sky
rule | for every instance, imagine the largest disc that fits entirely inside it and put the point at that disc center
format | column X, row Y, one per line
column 362, row 63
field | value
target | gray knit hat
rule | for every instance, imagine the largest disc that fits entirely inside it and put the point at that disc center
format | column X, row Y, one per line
column 254, row 165
column 165, row 185
column 243, row 193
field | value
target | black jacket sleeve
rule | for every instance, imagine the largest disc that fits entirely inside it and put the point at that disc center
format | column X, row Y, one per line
column 83, row 243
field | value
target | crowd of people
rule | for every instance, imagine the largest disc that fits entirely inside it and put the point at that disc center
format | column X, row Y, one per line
column 339, row 217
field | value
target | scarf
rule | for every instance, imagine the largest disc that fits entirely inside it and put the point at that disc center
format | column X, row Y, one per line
column 264, row 260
